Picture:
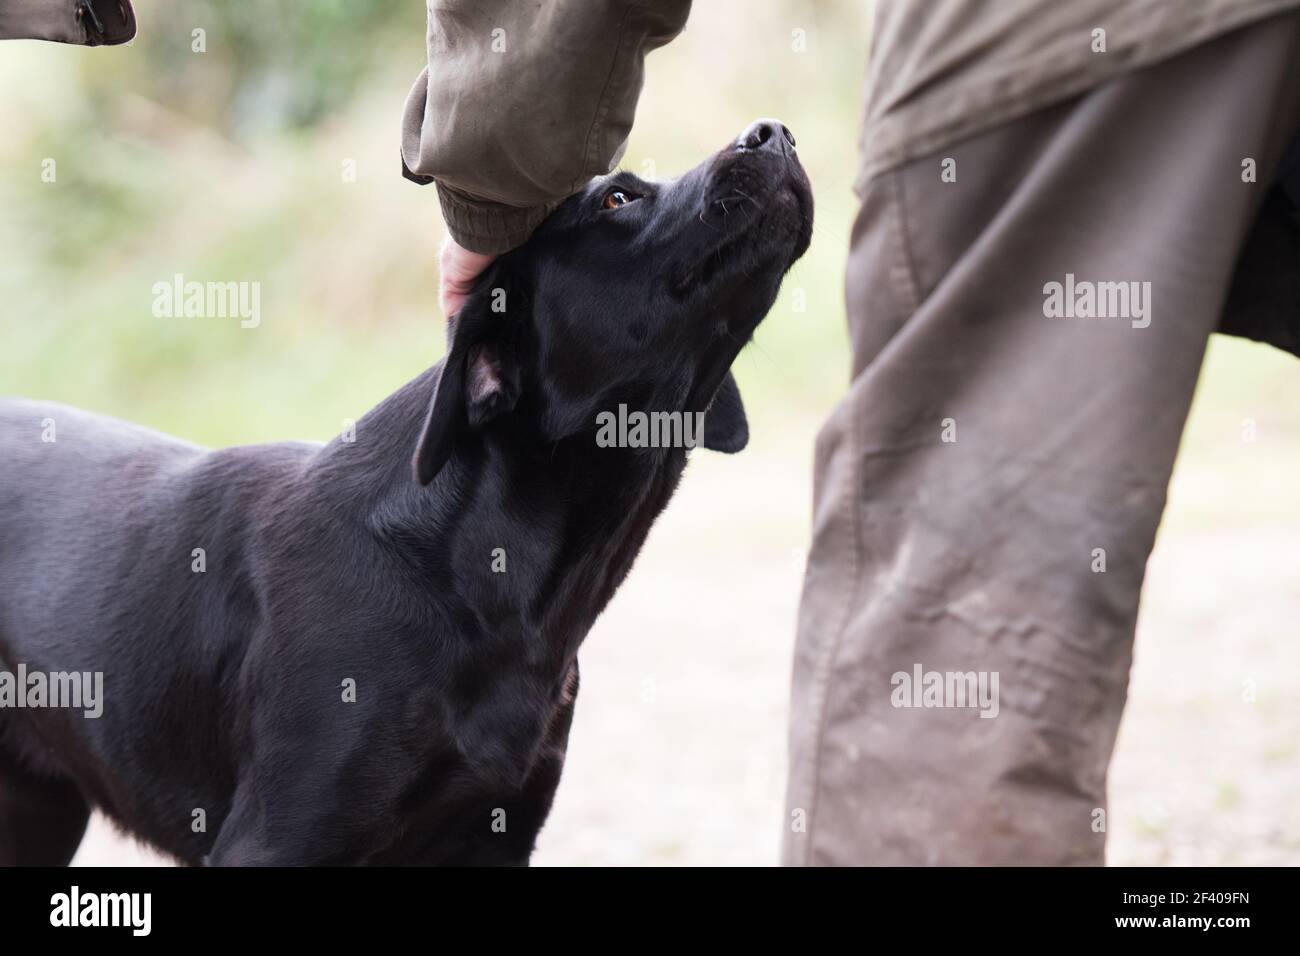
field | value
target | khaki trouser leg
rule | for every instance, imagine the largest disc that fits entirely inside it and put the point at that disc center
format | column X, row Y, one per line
column 988, row 457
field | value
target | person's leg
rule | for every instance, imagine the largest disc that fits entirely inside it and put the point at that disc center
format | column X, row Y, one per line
column 988, row 493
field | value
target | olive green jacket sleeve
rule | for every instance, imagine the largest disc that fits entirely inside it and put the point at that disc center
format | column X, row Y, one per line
column 523, row 102
column 84, row 22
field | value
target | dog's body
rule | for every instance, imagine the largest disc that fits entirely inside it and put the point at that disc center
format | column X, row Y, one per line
column 309, row 657
column 313, row 574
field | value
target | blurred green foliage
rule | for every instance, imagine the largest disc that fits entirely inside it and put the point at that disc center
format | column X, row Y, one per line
column 268, row 66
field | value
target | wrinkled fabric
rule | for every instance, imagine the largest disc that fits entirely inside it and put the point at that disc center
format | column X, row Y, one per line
column 988, row 493
column 944, row 70
column 521, row 104
column 82, row 22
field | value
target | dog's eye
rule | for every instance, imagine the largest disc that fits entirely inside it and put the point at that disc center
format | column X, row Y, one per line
column 617, row 197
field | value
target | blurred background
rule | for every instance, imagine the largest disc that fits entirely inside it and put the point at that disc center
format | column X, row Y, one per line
column 273, row 157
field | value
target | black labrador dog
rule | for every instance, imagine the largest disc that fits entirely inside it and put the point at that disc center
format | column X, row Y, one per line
column 311, row 655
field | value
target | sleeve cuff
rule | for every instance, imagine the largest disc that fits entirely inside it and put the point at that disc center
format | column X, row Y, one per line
column 488, row 227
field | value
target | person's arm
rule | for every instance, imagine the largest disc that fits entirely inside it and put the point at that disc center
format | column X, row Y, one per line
column 523, row 102
column 83, row 22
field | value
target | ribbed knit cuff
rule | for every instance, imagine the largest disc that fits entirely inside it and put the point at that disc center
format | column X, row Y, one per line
column 488, row 227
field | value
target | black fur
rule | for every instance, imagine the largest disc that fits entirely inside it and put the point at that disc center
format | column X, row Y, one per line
column 224, row 689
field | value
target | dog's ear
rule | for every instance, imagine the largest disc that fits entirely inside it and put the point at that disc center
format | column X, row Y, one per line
column 479, row 381
column 442, row 424
column 726, row 428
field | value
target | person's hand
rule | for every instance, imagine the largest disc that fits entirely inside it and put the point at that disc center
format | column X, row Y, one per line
column 457, row 270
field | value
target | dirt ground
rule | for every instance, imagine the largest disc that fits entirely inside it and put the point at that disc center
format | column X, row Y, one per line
column 678, row 750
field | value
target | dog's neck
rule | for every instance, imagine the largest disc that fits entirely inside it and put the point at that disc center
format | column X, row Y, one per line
column 531, row 536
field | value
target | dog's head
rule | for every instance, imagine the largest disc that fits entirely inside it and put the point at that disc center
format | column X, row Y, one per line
column 631, row 292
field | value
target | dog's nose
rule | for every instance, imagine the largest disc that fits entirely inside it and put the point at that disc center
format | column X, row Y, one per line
column 766, row 134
